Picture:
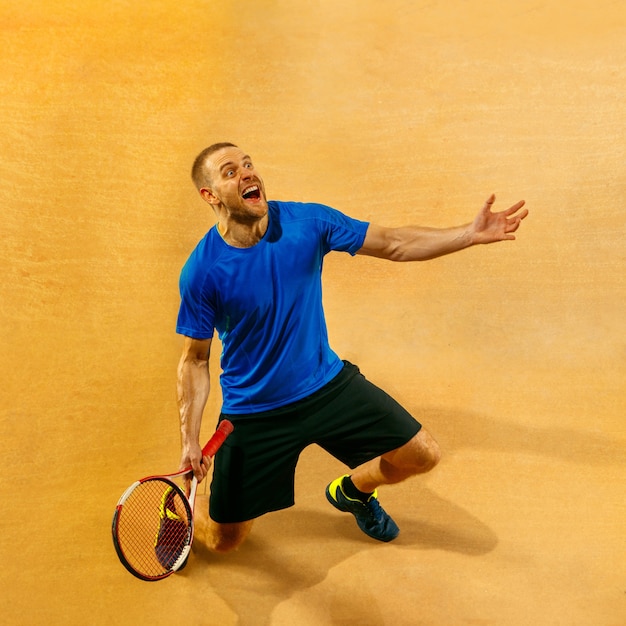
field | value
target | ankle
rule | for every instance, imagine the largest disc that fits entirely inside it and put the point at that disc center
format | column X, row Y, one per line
column 353, row 492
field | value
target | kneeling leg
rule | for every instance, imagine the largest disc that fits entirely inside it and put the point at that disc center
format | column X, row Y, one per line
column 419, row 455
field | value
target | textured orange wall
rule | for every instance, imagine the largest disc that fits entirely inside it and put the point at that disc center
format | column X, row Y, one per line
column 396, row 112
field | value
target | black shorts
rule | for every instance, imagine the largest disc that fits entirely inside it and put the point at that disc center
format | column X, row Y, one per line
column 350, row 418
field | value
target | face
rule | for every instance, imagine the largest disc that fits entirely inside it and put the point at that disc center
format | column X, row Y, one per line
column 235, row 187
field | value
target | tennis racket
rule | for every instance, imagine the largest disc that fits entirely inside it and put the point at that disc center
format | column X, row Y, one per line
column 153, row 520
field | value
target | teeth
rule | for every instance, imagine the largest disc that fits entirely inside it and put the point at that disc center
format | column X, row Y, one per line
column 250, row 189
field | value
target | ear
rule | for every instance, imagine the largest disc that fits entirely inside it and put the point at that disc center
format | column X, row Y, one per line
column 208, row 196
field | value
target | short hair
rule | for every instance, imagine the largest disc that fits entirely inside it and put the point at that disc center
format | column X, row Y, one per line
column 198, row 171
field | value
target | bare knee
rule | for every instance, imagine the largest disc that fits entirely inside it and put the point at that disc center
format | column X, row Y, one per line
column 430, row 452
column 418, row 456
column 227, row 537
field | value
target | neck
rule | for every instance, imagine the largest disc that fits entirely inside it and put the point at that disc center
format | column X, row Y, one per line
column 242, row 235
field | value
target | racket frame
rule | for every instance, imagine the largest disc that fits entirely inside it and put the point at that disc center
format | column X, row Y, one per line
column 188, row 503
column 211, row 447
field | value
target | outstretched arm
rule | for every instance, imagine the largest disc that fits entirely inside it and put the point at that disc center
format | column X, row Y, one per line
column 193, row 387
column 418, row 243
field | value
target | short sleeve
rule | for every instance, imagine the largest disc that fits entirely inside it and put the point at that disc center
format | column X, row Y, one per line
column 341, row 232
column 196, row 315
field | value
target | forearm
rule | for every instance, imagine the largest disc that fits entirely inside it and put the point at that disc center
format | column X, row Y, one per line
column 417, row 243
column 193, row 386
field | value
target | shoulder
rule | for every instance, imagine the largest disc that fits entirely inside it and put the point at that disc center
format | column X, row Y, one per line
column 203, row 256
column 334, row 229
column 291, row 210
column 292, row 207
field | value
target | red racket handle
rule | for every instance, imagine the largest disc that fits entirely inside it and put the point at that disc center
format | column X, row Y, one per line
column 223, row 430
column 213, row 444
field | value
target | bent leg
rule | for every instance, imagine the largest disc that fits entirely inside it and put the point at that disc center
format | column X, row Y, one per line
column 419, row 455
column 218, row 537
column 226, row 537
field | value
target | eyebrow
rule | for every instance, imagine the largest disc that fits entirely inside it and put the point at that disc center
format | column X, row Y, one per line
column 231, row 163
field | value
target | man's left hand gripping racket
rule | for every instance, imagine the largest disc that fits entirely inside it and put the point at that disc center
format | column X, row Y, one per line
column 153, row 520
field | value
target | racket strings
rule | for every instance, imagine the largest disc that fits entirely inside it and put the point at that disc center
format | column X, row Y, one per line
column 153, row 527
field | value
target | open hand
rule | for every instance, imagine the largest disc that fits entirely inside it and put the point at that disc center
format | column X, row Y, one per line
column 489, row 227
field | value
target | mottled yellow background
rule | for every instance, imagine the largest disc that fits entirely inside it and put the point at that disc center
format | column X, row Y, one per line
column 397, row 112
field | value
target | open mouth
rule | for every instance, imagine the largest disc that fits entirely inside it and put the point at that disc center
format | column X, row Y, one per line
column 251, row 193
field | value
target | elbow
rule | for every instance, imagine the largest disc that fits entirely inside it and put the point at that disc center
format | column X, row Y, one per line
column 401, row 247
column 395, row 249
column 406, row 254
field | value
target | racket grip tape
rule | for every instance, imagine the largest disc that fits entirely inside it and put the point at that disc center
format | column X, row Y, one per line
column 219, row 436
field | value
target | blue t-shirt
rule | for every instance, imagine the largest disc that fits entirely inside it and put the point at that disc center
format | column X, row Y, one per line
column 266, row 304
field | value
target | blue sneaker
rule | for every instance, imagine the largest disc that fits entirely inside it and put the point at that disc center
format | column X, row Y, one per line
column 370, row 516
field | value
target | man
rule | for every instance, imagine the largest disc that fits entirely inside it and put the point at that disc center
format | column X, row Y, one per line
column 256, row 278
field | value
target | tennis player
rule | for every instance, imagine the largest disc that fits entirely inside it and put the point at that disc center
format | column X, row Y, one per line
column 256, row 279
